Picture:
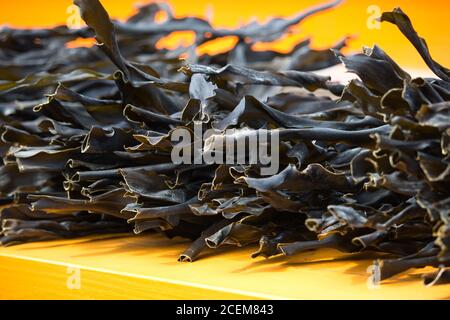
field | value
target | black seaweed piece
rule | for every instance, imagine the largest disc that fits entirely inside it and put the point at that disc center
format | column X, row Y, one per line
column 85, row 141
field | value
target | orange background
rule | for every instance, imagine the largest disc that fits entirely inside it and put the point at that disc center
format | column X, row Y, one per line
column 430, row 18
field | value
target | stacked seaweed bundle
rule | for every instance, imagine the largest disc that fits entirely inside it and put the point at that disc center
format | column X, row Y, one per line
column 86, row 141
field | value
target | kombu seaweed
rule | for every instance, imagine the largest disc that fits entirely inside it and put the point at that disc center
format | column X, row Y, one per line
column 86, row 141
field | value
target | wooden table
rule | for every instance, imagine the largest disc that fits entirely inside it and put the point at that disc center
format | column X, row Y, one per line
column 146, row 267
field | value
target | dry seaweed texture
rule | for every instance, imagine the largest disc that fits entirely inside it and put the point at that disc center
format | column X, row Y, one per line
column 86, row 141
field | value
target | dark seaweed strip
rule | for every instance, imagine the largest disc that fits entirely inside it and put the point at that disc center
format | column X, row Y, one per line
column 200, row 244
column 86, row 141
column 402, row 21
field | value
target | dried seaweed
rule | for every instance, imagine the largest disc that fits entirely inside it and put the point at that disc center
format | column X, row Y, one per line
column 86, row 141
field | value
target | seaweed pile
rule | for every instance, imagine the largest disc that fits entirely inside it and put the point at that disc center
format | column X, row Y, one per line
column 86, row 141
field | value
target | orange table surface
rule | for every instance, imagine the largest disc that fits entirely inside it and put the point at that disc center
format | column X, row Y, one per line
column 146, row 267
